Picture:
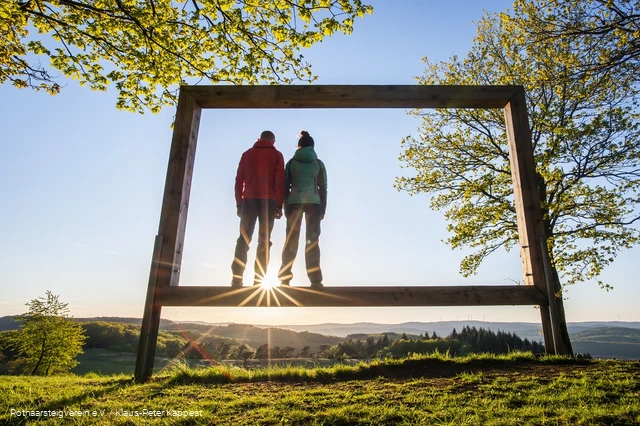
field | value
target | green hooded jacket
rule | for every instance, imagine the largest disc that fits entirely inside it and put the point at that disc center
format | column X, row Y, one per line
column 306, row 179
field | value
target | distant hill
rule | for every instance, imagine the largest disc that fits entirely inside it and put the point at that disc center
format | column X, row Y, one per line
column 532, row 331
column 257, row 336
column 316, row 335
column 8, row 323
column 608, row 342
column 254, row 336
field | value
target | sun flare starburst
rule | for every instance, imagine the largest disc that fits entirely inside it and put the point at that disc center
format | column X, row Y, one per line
column 269, row 282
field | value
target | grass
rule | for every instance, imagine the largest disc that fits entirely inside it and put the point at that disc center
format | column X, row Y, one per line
column 105, row 361
column 490, row 390
column 416, row 364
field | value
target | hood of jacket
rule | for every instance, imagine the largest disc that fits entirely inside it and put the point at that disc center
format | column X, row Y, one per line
column 261, row 143
column 305, row 155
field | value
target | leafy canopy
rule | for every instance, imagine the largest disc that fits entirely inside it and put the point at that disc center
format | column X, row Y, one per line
column 49, row 341
column 149, row 47
column 610, row 27
column 586, row 141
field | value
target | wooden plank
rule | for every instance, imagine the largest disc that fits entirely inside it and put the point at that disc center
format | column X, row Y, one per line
column 525, row 190
column 175, row 203
column 553, row 306
column 547, row 333
column 559, row 344
column 351, row 296
column 146, row 328
column 356, row 96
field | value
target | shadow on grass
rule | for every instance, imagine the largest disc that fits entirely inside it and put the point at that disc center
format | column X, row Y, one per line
column 421, row 366
column 93, row 393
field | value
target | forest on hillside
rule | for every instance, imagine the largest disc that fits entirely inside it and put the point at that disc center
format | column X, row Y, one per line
column 257, row 343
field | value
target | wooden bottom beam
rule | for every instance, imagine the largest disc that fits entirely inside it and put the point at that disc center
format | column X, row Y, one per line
column 351, row 296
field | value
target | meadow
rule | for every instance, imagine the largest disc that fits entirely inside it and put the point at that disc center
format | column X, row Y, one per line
column 513, row 389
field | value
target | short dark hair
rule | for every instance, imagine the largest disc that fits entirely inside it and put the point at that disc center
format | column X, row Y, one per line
column 305, row 140
column 268, row 135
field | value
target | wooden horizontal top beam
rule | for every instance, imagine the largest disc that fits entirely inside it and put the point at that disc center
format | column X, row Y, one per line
column 350, row 296
column 356, row 96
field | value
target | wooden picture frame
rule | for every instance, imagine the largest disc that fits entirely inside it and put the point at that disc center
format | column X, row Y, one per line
column 164, row 288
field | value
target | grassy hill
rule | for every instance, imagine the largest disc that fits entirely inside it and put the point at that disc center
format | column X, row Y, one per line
column 252, row 335
column 532, row 331
column 608, row 342
column 111, row 345
column 256, row 336
column 592, row 337
column 508, row 390
column 104, row 355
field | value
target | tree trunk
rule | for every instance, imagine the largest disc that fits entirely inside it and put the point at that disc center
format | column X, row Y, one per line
column 564, row 331
column 557, row 288
column 42, row 351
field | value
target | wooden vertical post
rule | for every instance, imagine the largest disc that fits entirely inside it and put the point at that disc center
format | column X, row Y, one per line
column 558, row 341
column 175, row 203
column 145, row 329
column 165, row 271
column 547, row 333
column 527, row 202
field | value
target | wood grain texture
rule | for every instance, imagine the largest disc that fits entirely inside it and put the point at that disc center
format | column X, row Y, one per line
column 351, row 296
column 175, row 203
column 355, row 96
column 142, row 372
column 525, row 190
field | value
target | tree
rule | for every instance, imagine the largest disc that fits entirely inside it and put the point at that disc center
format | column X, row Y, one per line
column 434, row 336
column 245, row 353
column 225, row 350
column 404, row 336
column 585, row 136
column 385, row 340
column 287, row 352
column 305, row 352
column 611, row 27
column 263, row 352
column 49, row 339
column 174, row 347
column 323, row 350
column 147, row 49
column 275, row 352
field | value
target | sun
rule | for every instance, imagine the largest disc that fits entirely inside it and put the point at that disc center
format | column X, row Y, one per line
column 270, row 282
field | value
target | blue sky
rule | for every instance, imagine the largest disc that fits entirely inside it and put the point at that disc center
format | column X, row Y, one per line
column 82, row 188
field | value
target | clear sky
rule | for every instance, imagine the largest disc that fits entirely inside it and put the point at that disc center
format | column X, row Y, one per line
column 82, row 187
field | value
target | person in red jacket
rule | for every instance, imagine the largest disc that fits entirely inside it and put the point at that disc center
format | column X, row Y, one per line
column 259, row 194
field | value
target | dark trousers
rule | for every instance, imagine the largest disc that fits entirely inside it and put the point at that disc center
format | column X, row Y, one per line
column 312, row 214
column 264, row 212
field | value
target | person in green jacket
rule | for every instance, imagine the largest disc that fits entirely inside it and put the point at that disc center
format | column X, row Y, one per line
column 305, row 193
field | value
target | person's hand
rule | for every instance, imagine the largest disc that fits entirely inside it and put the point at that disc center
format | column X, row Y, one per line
column 278, row 214
column 239, row 210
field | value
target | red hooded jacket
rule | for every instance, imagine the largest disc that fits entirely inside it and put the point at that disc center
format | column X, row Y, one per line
column 261, row 174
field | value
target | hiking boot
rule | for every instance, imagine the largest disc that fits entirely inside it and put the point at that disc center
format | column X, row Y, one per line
column 317, row 286
column 236, row 284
